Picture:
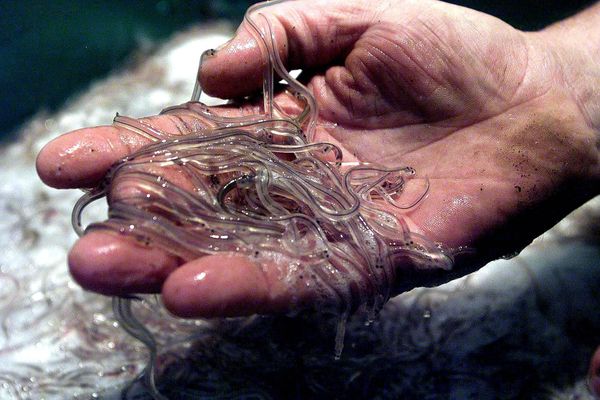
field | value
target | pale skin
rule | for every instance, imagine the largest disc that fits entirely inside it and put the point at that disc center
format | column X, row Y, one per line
column 504, row 123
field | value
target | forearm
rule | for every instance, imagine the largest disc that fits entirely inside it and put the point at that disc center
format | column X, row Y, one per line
column 581, row 30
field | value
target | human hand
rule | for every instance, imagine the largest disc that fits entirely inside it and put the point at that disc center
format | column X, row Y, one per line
column 489, row 114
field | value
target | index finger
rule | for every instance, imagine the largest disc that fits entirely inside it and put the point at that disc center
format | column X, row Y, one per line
column 82, row 157
column 307, row 35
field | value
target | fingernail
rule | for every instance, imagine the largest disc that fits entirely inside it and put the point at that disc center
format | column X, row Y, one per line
column 209, row 53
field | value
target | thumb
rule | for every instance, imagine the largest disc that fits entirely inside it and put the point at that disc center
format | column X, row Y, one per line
column 307, row 35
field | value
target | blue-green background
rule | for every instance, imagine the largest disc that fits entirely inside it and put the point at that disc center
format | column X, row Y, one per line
column 52, row 49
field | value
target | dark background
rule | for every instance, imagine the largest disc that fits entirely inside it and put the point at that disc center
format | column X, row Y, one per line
column 52, row 49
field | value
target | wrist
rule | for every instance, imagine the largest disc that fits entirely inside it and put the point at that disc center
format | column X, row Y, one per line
column 573, row 50
column 576, row 60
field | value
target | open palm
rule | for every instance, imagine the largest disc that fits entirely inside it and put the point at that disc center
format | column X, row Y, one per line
column 472, row 104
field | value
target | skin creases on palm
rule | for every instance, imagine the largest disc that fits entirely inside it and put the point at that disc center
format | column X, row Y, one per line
column 472, row 106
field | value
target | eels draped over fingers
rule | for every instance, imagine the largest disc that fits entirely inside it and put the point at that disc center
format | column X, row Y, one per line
column 259, row 185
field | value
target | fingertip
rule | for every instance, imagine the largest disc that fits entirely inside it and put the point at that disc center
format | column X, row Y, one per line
column 111, row 264
column 49, row 167
column 82, row 157
column 235, row 70
column 222, row 286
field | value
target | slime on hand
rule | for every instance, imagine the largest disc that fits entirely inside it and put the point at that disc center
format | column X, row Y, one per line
column 258, row 185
